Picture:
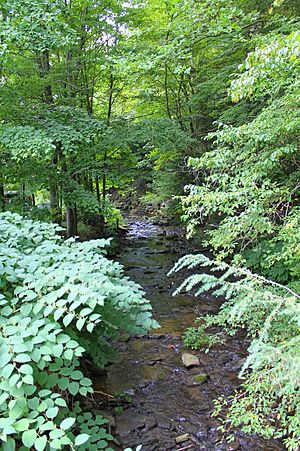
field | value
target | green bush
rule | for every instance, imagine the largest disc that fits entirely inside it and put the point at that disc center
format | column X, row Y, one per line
column 196, row 338
column 269, row 399
column 58, row 300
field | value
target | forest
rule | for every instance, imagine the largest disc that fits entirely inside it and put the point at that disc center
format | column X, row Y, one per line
column 173, row 115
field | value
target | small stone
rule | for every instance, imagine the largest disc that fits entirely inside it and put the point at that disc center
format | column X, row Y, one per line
column 182, row 438
column 190, row 360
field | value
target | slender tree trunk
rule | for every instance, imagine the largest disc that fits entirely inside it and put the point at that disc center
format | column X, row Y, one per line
column 167, row 92
column 104, row 178
column 23, row 192
column 97, row 187
column 2, row 198
column 44, row 67
column 53, row 189
column 71, row 222
column 75, row 219
column 55, row 205
column 109, row 112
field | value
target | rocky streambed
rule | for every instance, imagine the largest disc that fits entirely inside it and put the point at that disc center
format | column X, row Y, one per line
column 166, row 390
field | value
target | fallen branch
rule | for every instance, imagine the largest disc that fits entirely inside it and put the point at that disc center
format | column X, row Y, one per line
column 103, row 393
column 186, row 447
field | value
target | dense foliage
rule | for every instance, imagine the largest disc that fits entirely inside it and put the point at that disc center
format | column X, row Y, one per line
column 194, row 102
column 247, row 192
column 268, row 401
column 59, row 300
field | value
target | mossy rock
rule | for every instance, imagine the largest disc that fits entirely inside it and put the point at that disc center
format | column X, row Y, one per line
column 198, row 379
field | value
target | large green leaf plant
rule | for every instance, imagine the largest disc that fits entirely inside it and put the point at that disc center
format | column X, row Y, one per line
column 59, row 299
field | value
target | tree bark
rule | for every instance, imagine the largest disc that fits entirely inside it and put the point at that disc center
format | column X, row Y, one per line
column 2, row 199
column 71, row 222
column 97, row 188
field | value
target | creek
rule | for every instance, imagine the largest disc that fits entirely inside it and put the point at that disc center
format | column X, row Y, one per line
column 165, row 404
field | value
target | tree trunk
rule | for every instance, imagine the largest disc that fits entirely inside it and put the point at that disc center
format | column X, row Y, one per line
column 71, row 222
column 97, row 188
column 23, row 193
column 2, row 199
column 54, row 204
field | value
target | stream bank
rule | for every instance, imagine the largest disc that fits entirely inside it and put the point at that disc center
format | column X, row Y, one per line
column 168, row 407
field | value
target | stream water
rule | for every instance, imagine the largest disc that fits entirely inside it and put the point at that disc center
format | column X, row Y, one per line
column 166, row 406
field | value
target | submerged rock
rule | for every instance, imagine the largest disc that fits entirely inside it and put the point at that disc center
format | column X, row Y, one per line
column 198, row 379
column 190, row 360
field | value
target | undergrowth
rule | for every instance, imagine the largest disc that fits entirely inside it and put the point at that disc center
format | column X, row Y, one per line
column 268, row 403
column 58, row 300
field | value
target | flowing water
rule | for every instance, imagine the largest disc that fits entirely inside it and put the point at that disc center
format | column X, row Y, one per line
column 166, row 404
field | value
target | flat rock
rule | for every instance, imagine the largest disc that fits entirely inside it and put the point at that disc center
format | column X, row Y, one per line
column 189, row 360
column 182, row 438
column 128, row 422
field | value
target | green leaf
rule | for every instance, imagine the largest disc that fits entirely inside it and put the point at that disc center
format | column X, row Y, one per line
column 10, row 445
column 40, row 443
column 29, row 437
column 58, row 314
column 22, row 358
column 90, row 327
column 28, row 379
column 60, row 402
column 48, row 426
column 56, row 443
column 26, row 369
column 67, row 423
column 44, row 393
column 5, row 359
column 63, row 383
column 52, row 412
column 76, row 375
column 86, row 382
column 7, row 370
column 74, row 388
column 80, row 323
column 22, row 425
column 57, row 350
column 3, row 397
column 81, row 439
column 68, row 354
column 68, row 319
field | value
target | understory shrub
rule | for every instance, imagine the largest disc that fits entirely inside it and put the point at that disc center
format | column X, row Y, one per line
column 268, row 402
column 59, row 299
